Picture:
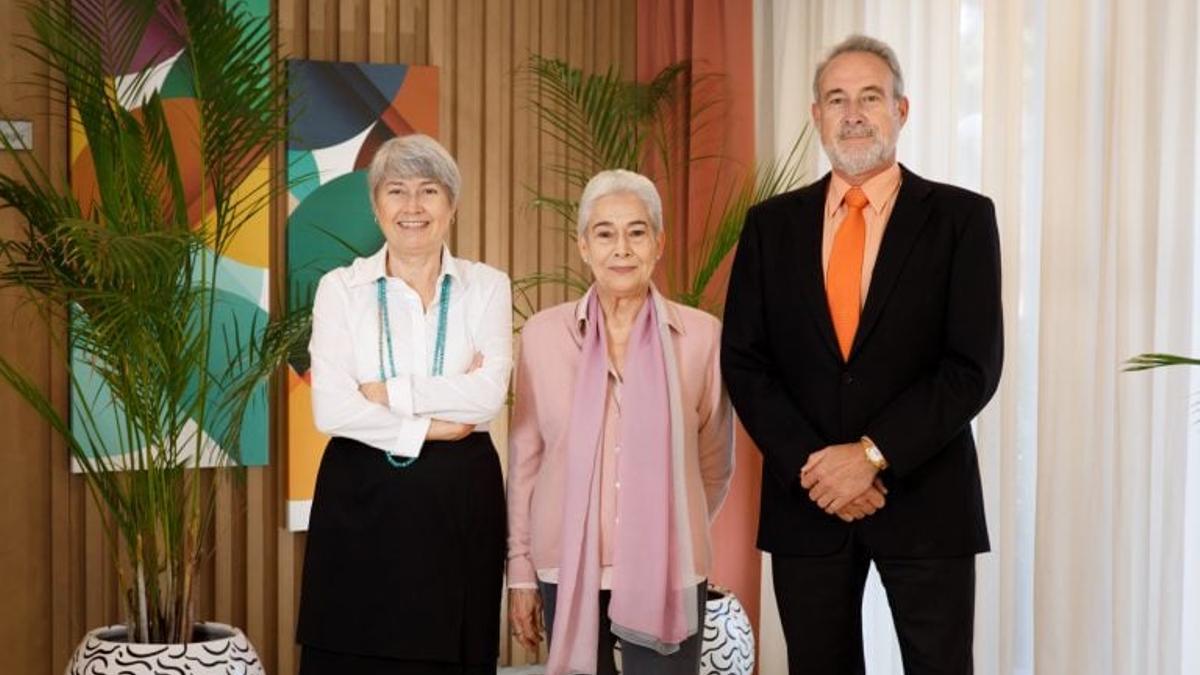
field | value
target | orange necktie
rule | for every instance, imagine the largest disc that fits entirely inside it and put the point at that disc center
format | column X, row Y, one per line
column 843, row 279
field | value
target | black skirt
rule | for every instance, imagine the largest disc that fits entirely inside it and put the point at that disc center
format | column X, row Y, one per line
column 404, row 564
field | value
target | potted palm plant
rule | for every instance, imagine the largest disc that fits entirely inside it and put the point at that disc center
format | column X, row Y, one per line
column 162, row 369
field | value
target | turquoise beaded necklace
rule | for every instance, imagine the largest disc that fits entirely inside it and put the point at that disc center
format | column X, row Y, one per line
column 385, row 333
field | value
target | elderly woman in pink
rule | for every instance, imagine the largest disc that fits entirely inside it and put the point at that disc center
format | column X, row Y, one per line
column 620, row 453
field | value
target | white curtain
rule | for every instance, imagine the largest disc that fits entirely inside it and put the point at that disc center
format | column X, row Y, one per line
column 1079, row 119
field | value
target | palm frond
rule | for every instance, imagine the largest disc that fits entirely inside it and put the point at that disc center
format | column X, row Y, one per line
column 1158, row 360
column 763, row 182
column 346, row 244
column 237, row 86
column 274, row 345
column 525, row 287
column 567, row 209
column 598, row 118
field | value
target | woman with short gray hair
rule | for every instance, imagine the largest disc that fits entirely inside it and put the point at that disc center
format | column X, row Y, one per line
column 620, row 452
column 616, row 181
column 411, row 351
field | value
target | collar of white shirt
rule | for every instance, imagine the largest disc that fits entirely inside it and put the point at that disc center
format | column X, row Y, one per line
column 374, row 267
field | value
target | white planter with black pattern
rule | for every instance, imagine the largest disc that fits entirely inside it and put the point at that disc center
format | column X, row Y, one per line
column 728, row 647
column 219, row 650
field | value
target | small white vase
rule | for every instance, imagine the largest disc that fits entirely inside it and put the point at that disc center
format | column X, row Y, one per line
column 219, row 650
column 728, row 647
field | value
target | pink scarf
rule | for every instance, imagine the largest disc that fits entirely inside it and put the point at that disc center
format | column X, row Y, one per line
column 652, row 546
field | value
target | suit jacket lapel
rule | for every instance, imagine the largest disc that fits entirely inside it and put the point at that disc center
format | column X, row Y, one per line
column 908, row 217
column 808, row 228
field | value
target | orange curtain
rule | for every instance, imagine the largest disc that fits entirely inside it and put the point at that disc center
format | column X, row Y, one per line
column 716, row 37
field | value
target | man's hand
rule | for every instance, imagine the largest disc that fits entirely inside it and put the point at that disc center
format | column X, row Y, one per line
column 375, row 392
column 525, row 616
column 836, row 475
column 865, row 504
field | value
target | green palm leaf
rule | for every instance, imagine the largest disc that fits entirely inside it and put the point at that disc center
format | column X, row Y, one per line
column 1158, row 360
column 729, row 213
column 600, row 119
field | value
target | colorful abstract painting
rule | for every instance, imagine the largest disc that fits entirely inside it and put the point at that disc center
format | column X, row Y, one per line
column 340, row 114
column 243, row 271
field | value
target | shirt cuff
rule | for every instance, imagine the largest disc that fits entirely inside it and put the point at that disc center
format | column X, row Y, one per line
column 521, row 573
column 522, row 585
column 412, row 437
column 400, row 395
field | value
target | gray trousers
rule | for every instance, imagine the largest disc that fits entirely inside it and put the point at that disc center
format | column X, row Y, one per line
column 635, row 659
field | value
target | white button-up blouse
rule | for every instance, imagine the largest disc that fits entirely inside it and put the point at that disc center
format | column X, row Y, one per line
column 346, row 351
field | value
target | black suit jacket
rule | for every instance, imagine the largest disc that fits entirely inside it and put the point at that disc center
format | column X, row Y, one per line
column 925, row 360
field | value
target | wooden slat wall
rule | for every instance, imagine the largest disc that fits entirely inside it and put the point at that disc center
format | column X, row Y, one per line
column 56, row 576
column 43, row 513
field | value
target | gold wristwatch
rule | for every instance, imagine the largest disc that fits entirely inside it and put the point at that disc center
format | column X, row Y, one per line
column 874, row 456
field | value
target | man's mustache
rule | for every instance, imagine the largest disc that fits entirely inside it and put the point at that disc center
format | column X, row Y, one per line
column 856, row 132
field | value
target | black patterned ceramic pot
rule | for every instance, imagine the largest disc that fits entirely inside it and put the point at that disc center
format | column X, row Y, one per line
column 218, row 650
column 728, row 647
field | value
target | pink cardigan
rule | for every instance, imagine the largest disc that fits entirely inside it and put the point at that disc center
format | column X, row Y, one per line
column 545, row 380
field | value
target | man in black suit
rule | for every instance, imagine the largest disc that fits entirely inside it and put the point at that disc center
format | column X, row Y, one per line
column 862, row 335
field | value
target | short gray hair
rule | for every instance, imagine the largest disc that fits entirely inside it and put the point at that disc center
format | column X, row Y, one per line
column 867, row 45
column 614, row 181
column 414, row 156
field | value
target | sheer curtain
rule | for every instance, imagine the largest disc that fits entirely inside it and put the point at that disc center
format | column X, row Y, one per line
column 1079, row 119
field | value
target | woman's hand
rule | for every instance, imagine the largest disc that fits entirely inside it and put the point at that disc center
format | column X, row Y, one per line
column 525, row 616
column 375, row 392
column 441, row 430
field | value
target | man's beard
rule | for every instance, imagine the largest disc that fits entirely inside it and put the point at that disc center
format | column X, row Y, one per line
column 860, row 160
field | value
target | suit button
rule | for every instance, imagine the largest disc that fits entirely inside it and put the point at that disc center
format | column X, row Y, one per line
column 847, row 378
